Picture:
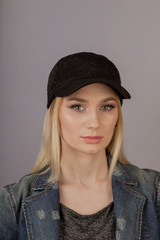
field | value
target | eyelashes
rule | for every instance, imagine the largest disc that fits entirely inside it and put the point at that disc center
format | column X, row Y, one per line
column 77, row 107
column 104, row 108
column 107, row 107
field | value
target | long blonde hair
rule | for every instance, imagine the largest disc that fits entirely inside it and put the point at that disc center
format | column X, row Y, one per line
column 50, row 153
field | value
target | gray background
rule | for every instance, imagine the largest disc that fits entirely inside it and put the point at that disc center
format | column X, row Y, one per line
column 34, row 34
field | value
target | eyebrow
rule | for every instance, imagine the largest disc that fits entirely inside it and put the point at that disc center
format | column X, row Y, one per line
column 84, row 100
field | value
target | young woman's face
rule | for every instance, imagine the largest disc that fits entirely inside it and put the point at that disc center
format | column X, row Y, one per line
column 88, row 118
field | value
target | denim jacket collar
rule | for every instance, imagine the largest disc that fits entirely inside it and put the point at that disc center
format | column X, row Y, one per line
column 128, row 203
column 41, row 210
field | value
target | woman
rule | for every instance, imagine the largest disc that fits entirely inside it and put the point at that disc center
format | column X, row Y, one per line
column 82, row 186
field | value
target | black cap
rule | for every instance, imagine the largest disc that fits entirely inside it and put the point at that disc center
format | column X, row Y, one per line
column 77, row 70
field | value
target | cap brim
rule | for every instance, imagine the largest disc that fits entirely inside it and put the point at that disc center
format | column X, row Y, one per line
column 69, row 87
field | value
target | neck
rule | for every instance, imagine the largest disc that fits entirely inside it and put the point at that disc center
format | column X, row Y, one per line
column 83, row 169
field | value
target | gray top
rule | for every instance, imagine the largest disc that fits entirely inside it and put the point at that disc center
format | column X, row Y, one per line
column 97, row 226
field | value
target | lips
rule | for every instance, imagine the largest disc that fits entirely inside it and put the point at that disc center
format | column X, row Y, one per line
column 92, row 139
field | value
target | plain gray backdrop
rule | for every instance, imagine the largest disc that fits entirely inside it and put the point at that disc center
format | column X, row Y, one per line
column 35, row 34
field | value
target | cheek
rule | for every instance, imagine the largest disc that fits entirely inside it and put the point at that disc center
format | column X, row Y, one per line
column 109, row 132
column 115, row 119
column 64, row 124
column 67, row 125
column 111, row 125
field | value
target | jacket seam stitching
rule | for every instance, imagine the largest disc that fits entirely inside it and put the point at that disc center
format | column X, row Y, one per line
column 12, row 200
column 34, row 182
column 128, row 170
column 25, row 209
column 157, row 187
column 141, row 205
column 147, row 231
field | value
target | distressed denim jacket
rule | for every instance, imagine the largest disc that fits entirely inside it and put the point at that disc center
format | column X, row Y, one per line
column 30, row 208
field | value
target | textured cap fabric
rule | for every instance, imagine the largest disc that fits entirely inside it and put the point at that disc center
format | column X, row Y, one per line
column 77, row 70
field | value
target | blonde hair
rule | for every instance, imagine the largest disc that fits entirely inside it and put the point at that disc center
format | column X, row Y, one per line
column 50, row 152
column 115, row 147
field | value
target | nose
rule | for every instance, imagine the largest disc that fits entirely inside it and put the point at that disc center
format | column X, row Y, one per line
column 92, row 120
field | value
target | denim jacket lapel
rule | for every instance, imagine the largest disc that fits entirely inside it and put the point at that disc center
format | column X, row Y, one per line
column 128, row 204
column 41, row 211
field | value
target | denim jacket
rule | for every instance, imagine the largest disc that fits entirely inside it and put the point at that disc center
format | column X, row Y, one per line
column 29, row 209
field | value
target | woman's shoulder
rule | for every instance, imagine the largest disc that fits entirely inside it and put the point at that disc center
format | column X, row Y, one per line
column 142, row 182
column 24, row 187
column 145, row 180
column 134, row 175
column 135, row 172
column 12, row 200
column 142, row 173
column 20, row 189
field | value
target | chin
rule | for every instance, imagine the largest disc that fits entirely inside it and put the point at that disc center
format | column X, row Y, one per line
column 92, row 151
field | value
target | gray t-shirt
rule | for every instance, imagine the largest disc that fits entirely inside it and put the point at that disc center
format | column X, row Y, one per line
column 98, row 226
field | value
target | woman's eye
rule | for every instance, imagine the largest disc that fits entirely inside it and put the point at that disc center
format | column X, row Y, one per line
column 107, row 107
column 77, row 107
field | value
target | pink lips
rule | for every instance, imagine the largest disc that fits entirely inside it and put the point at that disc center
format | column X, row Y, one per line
column 92, row 139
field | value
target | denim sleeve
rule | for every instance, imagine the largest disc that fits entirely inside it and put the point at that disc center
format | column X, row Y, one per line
column 158, row 200
column 8, row 225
